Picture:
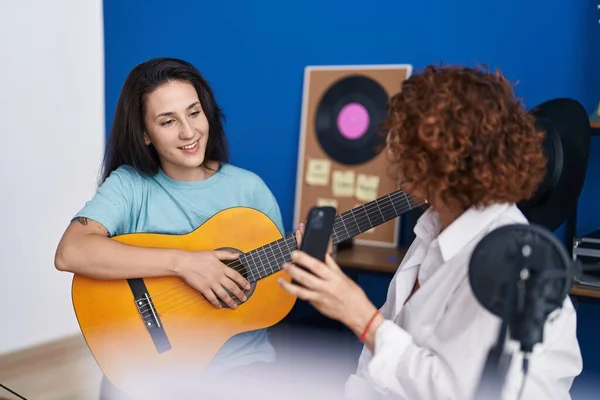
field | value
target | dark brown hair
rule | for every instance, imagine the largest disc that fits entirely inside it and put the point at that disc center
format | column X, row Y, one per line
column 460, row 135
column 126, row 142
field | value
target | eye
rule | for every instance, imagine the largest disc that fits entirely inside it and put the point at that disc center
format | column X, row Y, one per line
column 195, row 113
column 167, row 123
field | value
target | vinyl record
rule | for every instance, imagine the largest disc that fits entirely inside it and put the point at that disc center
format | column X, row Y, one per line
column 348, row 120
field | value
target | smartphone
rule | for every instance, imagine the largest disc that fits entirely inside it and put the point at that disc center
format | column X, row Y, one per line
column 318, row 231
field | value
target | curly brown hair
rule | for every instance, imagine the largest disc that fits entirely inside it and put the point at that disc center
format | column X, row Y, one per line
column 460, row 135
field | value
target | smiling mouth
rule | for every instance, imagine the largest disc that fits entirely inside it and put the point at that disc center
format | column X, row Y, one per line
column 190, row 146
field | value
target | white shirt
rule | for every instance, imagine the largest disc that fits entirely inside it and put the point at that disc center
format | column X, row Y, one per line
column 435, row 345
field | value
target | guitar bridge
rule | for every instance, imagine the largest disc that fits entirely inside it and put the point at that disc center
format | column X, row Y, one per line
column 149, row 315
column 147, row 312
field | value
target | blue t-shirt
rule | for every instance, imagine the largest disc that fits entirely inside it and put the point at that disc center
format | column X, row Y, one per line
column 129, row 202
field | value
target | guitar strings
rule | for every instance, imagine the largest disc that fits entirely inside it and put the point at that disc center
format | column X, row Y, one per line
column 177, row 304
column 172, row 305
column 196, row 298
column 239, row 266
column 185, row 287
column 171, row 300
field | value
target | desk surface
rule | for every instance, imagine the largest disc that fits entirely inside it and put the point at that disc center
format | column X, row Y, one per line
column 372, row 259
column 385, row 261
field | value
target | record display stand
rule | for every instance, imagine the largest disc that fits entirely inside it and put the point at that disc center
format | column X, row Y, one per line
column 341, row 161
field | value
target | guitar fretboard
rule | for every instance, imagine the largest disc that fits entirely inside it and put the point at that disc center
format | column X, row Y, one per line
column 266, row 260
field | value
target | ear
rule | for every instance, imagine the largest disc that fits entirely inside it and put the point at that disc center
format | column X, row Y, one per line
column 147, row 139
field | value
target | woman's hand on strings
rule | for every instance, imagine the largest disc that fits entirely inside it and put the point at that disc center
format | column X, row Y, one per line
column 206, row 272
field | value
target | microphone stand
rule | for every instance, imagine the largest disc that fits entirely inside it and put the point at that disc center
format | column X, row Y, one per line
column 527, row 294
column 498, row 361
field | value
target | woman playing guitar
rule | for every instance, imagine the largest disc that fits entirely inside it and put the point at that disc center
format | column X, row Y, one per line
column 166, row 170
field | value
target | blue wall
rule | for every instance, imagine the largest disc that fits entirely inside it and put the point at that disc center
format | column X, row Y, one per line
column 253, row 54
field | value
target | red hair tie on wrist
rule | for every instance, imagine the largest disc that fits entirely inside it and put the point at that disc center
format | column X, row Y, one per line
column 364, row 334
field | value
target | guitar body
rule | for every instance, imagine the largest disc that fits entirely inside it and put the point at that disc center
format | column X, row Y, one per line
column 186, row 330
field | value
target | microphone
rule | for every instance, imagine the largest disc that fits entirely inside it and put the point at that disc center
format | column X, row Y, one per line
column 520, row 273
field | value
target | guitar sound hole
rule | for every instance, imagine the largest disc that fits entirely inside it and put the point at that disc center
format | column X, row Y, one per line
column 237, row 301
column 240, row 268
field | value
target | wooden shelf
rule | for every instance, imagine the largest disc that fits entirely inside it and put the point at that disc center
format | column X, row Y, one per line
column 371, row 259
column 385, row 261
column 595, row 128
column 585, row 291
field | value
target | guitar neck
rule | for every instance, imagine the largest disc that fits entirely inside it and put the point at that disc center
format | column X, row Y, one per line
column 266, row 260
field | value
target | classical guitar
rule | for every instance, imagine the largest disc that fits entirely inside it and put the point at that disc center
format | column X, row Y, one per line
column 144, row 329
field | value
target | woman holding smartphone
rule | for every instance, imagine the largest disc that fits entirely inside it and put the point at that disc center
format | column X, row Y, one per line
column 459, row 138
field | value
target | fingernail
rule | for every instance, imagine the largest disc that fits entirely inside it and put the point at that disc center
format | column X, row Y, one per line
column 244, row 298
column 293, row 254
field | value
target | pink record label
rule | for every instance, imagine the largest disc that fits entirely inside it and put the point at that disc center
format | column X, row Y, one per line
column 353, row 121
